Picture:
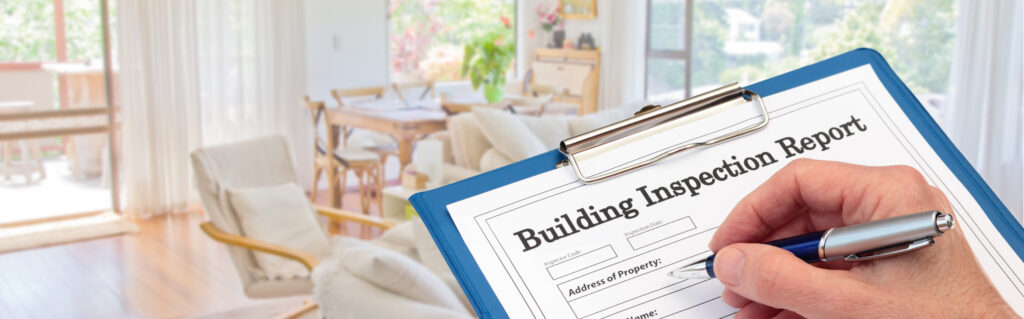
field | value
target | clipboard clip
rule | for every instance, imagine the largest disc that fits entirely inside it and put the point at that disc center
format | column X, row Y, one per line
column 652, row 117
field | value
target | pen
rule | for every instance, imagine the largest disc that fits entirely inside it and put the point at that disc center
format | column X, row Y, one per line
column 872, row 240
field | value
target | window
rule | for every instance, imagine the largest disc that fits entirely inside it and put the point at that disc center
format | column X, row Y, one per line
column 427, row 37
column 668, row 47
column 747, row 41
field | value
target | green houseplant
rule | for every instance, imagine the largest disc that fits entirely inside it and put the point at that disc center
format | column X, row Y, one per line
column 487, row 58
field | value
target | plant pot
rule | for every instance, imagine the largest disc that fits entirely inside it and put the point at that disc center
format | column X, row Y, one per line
column 494, row 93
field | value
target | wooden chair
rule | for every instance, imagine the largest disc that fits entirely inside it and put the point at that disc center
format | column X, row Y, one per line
column 374, row 92
column 383, row 145
column 219, row 168
column 401, row 88
column 366, row 165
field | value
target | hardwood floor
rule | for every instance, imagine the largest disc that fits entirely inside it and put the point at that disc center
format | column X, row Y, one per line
column 169, row 270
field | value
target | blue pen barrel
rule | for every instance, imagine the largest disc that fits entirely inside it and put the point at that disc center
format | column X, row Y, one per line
column 804, row 246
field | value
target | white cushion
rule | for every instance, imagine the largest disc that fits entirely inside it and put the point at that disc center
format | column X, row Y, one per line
column 468, row 141
column 593, row 121
column 492, row 159
column 509, row 136
column 352, row 154
column 339, row 294
column 430, row 257
column 400, row 239
column 395, row 273
column 551, row 130
column 280, row 215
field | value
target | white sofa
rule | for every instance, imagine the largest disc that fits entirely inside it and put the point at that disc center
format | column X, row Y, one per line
column 486, row 139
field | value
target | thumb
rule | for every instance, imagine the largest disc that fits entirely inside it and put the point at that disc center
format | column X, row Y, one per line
column 774, row 277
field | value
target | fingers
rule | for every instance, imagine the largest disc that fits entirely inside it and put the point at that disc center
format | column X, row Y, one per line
column 733, row 299
column 822, row 194
column 756, row 311
column 781, row 198
column 774, row 278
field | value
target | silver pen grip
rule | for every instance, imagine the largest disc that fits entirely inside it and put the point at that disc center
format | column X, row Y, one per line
column 852, row 240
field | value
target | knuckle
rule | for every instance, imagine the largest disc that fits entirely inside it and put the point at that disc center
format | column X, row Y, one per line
column 799, row 164
column 906, row 173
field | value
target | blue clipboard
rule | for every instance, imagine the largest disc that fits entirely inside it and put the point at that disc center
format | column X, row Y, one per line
column 432, row 205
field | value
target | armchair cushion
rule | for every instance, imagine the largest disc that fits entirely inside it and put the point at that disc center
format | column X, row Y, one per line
column 394, row 273
column 430, row 257
column 281, row 215
column 339, row 294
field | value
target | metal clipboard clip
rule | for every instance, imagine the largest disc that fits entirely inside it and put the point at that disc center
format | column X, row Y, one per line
column 652, row 117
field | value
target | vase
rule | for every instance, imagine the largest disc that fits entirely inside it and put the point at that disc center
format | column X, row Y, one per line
column 559, row 38
column 493, row 93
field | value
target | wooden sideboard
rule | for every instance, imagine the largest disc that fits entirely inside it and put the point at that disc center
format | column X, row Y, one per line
column 578, row 71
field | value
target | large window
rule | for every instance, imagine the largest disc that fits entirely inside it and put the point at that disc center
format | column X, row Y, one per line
column 57, row 157
column 747, row 41
column 427, row 37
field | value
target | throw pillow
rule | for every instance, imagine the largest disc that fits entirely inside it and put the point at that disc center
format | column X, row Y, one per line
column 508, row 135
column 281, row 215
column 398, row 274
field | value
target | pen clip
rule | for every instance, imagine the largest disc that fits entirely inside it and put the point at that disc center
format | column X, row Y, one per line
column 891, row 250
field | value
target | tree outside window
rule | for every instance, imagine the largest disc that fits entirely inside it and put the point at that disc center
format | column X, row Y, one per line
column 748, row 41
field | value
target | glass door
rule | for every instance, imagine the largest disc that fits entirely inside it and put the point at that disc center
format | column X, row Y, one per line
column 57, row 154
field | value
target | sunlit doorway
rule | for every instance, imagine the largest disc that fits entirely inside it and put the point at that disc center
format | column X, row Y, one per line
column 58, row 160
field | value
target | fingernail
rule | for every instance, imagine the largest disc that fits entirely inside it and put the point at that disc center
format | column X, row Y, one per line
column 729, row 265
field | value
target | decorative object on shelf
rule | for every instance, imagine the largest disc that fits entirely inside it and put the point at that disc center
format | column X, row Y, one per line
column 487, row 58
column 578, row 9
column 551, row 22
column 585, row 42
column 568, row 44
column 557, row 39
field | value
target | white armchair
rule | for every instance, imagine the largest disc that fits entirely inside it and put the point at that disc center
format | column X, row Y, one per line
column 249, row 192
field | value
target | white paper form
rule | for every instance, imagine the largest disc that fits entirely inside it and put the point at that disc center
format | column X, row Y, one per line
column 551, row 247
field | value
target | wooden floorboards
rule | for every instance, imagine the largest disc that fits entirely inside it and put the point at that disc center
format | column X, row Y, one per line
column 169, row 270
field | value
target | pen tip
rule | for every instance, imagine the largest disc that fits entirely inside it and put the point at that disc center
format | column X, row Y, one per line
column 692, row 271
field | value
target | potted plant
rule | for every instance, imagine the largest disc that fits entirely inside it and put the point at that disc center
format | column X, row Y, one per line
column 487, row 58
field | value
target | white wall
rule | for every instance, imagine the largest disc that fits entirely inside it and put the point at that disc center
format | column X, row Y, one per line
column 346, row 45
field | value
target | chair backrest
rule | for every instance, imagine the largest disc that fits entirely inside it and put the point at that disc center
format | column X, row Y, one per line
column 264, row 161
column 409, row 91
column 375, row 92
column 317, row 113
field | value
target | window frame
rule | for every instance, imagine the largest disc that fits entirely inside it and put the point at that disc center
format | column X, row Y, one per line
column 684, row 55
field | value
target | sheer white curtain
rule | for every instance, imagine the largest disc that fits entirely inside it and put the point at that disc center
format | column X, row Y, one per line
column 195, row 73
column 623, row 27
column 983, row 115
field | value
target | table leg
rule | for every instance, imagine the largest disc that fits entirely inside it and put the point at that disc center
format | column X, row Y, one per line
column 404, row 153
column 333, row 193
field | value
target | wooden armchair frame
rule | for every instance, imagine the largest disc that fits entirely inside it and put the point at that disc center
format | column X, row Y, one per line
column 305, row 258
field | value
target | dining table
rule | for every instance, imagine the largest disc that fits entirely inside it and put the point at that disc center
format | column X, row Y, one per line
column 406, row 122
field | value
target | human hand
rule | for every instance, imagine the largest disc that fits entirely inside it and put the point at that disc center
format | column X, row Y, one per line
column 809, row 195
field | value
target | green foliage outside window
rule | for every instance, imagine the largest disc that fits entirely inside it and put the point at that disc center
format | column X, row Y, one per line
column 915, row 36
column 428, row 37
column 27, row 32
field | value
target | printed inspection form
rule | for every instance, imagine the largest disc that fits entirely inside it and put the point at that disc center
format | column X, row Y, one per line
column 552, row 247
